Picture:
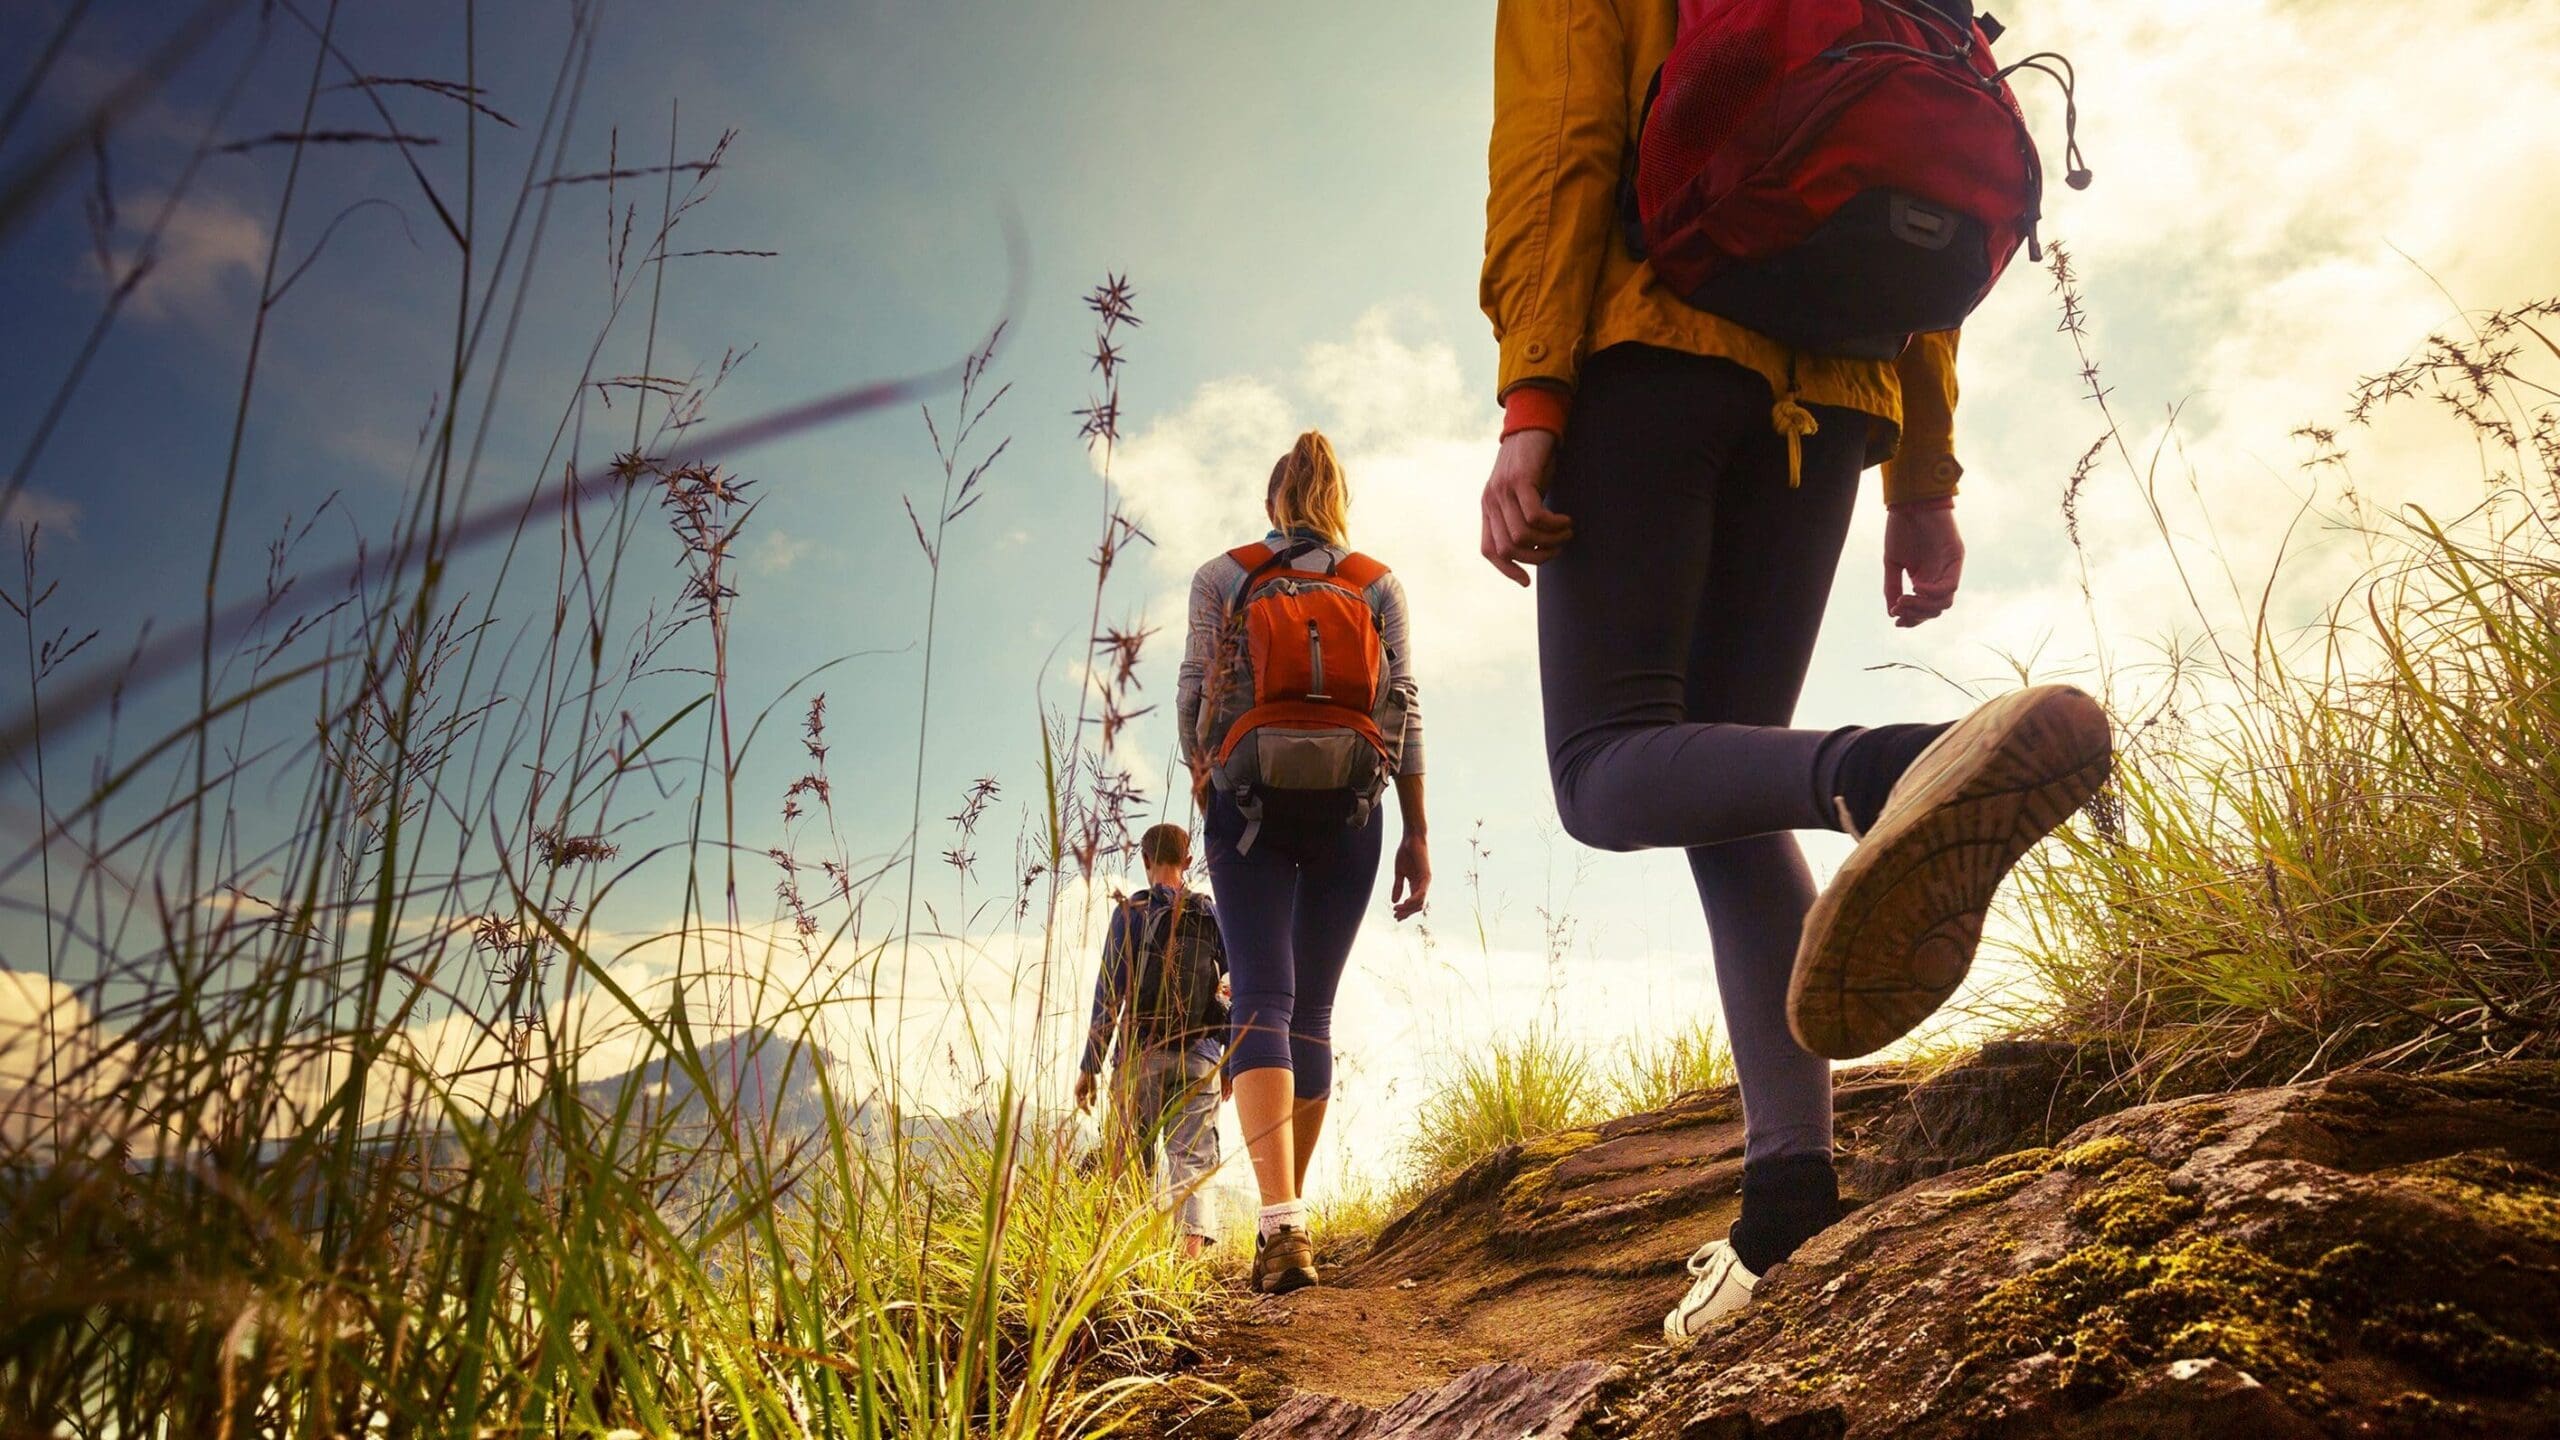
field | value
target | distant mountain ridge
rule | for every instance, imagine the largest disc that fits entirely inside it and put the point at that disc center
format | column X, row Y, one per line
column 765, row 1082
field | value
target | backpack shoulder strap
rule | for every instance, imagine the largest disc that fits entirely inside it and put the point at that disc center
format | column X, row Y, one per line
column 1259, row 560
column 1359, row 571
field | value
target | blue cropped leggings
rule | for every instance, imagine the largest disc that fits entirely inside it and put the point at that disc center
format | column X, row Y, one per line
column 1288, row 911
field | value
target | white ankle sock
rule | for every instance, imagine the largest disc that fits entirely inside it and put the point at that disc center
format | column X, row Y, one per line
column 1288, row 1213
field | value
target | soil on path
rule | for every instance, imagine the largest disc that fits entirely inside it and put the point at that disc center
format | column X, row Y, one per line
column 1570, row 1248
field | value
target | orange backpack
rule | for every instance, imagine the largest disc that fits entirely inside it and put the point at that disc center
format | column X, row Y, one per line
column 1308, row 753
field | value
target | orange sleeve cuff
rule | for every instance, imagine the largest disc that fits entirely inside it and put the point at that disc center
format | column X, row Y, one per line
column 1535, row 407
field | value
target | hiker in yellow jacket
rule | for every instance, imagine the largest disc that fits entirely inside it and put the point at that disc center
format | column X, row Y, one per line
column 1683, row 486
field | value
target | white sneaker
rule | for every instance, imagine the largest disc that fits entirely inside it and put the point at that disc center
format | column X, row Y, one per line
column 1722, row 1287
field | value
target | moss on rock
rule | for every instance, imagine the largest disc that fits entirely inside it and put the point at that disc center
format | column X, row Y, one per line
column 2107, row 1310
column 2450, row 1344
column 1537, row 1161
column 2035, row 1161
column 2097, row 1157
column 1990, row 1191
column 2134, row 1207
column 2500, row 1189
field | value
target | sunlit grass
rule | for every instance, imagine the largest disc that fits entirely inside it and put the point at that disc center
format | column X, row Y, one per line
column 339, row 1105
column 2354, row 863
column 2339, row 846
column 316, row 1129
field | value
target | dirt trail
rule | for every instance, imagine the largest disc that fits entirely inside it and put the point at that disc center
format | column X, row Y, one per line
column 1571, row 1248
column 1568, row 1250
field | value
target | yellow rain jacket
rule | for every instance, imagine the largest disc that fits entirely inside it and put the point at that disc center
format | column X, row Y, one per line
column 1559, row 283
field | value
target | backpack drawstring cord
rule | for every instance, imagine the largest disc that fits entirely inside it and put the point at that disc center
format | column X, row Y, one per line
column 2075, row 171
column 1789, row 418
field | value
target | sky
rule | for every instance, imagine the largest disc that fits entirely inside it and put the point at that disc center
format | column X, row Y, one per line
column 2288, row 196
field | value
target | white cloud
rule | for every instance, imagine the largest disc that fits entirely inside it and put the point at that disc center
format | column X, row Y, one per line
column 2286, row 197
column 206, row 265
column 32, row 1007
column 777, row 550
column 1415, row 440
column 43, row 511
column 53, row 1059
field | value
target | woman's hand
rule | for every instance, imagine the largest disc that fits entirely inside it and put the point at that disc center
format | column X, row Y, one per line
column 1200, row 787
column 1413, row 876
column 1921, row 546
column 1519, row 529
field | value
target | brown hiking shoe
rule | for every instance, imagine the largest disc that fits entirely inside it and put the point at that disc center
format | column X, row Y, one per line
column 1283, row 1261
column 1892, row 935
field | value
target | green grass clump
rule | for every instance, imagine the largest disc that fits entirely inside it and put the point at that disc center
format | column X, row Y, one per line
column 1652, row 1071
column 2330, row 844
column 2353, row 866
column 1506, row 1091
column 1522, row 1087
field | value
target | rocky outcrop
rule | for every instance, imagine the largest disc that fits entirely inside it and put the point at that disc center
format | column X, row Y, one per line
column 2366, row 1255
column 2363, row 1255
column 1644, row 1190
column 2010, row 1095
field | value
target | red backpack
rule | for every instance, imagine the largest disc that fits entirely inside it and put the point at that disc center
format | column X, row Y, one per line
column 1836, row 174
column 1308, row 753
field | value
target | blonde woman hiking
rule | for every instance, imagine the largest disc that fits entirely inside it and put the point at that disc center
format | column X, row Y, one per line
column 1298, row 709
column 1682, row 480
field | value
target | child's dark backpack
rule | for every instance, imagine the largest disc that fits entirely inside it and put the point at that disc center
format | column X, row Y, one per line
column 1179, row 963
column 1308, row 754
column 1836, row 174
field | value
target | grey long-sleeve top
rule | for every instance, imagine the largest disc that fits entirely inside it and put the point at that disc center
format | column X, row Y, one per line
column 1213, row 596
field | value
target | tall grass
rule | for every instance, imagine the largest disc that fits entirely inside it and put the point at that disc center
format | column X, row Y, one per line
column 1520, row 1085
column 2340, row 846
column 2355, row 863
column 340, row 1107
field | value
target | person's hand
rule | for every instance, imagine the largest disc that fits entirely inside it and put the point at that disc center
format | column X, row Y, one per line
column 1413, row 876
column 1921, row 547
column 1226, row 1085
column 1519, row 529
column 1084, row 1091
column 1200, row 786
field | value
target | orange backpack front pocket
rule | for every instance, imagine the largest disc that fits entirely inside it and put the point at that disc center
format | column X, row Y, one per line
column 1313, row 640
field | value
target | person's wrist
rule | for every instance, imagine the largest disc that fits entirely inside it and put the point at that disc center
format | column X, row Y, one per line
column 1926, row 502
column 1535, row 406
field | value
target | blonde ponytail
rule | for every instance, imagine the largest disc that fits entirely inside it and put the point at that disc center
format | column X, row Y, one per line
column 1308, row 491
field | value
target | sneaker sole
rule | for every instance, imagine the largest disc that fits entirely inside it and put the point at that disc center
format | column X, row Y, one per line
column 1893, row 934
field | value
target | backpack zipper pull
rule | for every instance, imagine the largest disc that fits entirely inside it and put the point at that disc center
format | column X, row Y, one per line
column 1315, row 657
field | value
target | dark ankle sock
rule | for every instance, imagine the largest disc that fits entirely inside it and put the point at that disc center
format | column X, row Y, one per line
column 1868, row 769
column 1786, row 1200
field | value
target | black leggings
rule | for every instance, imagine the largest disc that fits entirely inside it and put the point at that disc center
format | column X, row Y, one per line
column 1674, row 630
